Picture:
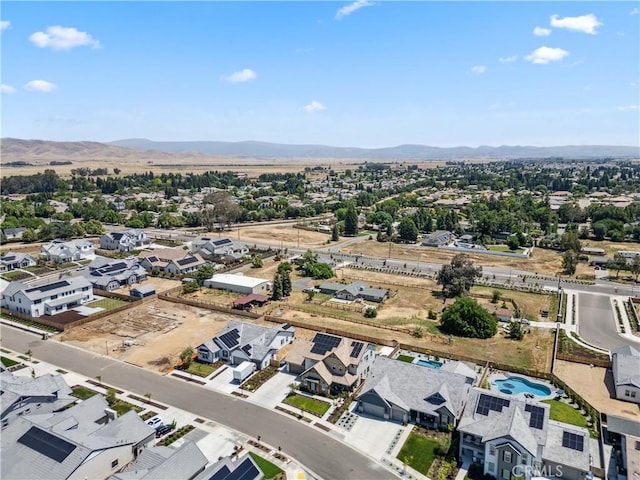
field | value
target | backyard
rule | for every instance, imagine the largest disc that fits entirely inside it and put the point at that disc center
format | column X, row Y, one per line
column 107, row 303
column 562, row 412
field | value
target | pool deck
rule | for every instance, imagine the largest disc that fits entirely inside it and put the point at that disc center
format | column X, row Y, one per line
column 521, row 396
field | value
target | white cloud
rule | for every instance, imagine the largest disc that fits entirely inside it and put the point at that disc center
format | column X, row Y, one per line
column 352, row 7
column 585, row 23
column 634, row 12
column 4, row 24
column 7, row 89
column 39, row 86
column 541, row 32
column 511, row 59
column 479, row 69
column 629, row 107
column 313, row 107
column 63, row 38
column 546, row 55
column 633, row 84
column 241, row 76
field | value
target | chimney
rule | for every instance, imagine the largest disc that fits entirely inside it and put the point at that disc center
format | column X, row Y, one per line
column 111, row 414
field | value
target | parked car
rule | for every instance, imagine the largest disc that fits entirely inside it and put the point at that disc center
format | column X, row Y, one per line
column 162, row 429
column 154, row 422
column 524, row 321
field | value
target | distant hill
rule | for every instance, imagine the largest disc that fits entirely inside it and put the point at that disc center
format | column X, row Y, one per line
column 401, row 152
column 135, row 150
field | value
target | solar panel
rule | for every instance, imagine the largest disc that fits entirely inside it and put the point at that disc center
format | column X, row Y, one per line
column 51, row 286
column 245, row 471
column 187, row 261
column 537, row 416
column 46, row 444
column 488, row 402
column 247, row 349
column 220, row 474
column 230, row 339
column 357, row 347
column 573, row 441
column 322, row 343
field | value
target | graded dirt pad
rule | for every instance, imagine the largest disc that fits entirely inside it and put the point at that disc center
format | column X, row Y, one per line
column 283, row 234
column 159, row 283
column 595, row 385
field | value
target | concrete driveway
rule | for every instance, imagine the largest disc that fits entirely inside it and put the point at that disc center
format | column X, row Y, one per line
column 224, row 382
column 374, row 436
column 273, row 391
column 597, row 323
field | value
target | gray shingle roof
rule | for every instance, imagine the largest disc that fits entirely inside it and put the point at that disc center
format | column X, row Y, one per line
column 626, row 362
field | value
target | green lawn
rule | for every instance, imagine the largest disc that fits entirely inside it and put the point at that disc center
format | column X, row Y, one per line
column 123, row 407
column 562, row 412
column 13, row 274
column 82, row 392
column 308, row 404
column 7, row 362
column 504, row 248
column 268, row 469
column 418, row 452
column 107, row 303
column 202, row 369
column 405, row 358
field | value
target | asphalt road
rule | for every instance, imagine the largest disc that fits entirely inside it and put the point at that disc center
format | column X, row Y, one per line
column 597, row 323
column 324, row 455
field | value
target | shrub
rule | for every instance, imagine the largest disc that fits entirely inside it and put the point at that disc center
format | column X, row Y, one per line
column 371, row 312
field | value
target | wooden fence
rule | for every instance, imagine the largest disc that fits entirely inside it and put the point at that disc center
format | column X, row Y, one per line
column 598, row 362
column 207, row 305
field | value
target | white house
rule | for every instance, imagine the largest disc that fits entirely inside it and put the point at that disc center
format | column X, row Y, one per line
column 47, row 299
column 626, row 373
column 124, row 241
column 13, row 260
column 223, row 248
column 70, row 251
column 238, row 283
column 172, row 260
column 241, row 341
column 110, row 274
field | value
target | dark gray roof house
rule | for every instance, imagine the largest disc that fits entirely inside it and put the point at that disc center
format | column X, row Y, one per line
column 354, row 291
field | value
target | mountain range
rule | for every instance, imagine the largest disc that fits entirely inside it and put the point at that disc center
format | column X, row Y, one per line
column 13, row 149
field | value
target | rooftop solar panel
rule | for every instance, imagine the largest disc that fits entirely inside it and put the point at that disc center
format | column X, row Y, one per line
column 357, row 347
column 489, row 402
column 187, row 261
column 322, row 343
column 51, row 286
column 573, row 441
column 46, row 444
column 245, row 471
column 220, row 474
column 230, row 339
column 537, row 416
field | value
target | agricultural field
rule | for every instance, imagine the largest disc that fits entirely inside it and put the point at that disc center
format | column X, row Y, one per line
column 285, row 235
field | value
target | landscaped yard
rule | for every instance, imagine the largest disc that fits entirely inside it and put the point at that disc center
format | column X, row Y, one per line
column 82, row 392
column 107, row 303
column 561, row 412
column 418, row 452
column 405, row 358
column 123, row 407
column 504, row 248
column 268, row 469
column 15, row 275
column 308, row 404
column 7, row 362
column 203, row 369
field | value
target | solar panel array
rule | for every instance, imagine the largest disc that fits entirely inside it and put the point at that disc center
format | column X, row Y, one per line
column 245, row 471
column 230, row 339
column 51, row 286
column 537, row 416
column 357, row 346
column 187, row 261
column 322, row 343
column 573, row 441
column 46, row 444
column 220, row 474
column 488, row 402
column 247, row 349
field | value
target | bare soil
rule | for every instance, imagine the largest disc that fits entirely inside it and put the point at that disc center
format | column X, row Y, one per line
column 286, row 235
column 159, row 283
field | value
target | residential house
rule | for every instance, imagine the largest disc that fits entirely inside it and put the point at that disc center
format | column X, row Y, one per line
column 110, row 274
column 626, row 373
column 329, row 364
column 85, row 441
column 407, row 392
column 124, row 241
column 14, row 260
column 238, row 282
column 438, row 238
column 60, row 251
column 25, row 395
column 162, row 463
column 240, row 341
column 353, row 291
column 12, row 234
column 171, row 260
column 221, row 248
column 49, row 298
column 623, row 434
column 244, row 468
column 515, row 439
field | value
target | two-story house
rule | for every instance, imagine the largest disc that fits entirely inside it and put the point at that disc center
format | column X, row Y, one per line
column 171, row 260
column 110, row 274
column 51, row 298
column 329, row 364
column 124, row 241
column 60, row 251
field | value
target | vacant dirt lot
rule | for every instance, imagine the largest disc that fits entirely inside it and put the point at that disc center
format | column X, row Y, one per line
column 160, row 284
column 530, row 303
column 286, row 235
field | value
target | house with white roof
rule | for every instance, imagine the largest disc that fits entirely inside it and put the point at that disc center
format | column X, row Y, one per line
column 242, row 341
column 85, row 441
column 110, row 274
column 124, row 240
column 238, row 282
column 14, row 260
column 626, row 373
column 407, row 392
column 222, row 248
column 60, row 251
column 58, row 296
column 516, row 439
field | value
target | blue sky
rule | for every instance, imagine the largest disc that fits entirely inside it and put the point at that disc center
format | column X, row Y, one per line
column 364, row 73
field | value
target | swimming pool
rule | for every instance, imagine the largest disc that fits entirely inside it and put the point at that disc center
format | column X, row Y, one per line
column 429, row 363
column 514, row 385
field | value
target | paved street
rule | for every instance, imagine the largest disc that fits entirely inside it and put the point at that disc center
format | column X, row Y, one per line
column 321, row 453
column 597, row 324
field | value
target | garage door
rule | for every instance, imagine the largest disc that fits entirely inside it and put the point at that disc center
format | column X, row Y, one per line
column 397, row 415
column 374, row 410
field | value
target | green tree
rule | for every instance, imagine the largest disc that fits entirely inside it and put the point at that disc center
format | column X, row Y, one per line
column 187, row 355
column 256, row 261
column 407, row 230
column 569, row 262
column 467, row 318
column 351, row 221
column 335, row 234
column 618, row 263
column 634, row 268
column 203, row 273
column 276, row 291
column 371, row 312
column 190, row 287
column 29, row 235
column 515, row 331
column 310, row 294
column 570, row 241
column 513, row 243
column 94, row 227
column 458, row 277
column 286, row 284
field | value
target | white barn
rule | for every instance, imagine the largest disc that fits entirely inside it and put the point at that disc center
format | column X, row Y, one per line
column 237, row 283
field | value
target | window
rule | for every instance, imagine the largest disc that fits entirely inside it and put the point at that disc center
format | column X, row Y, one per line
column 525, row 458
column 5, row 423
column 492, row 450
column 114, row 463
column 506, row 456
column 506, row 473
column 491, row 467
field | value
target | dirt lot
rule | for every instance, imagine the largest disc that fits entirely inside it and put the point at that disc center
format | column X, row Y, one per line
column 530, row 303
column 543, row 261
column 287, row 235
column 595, row 385
column 160, row 284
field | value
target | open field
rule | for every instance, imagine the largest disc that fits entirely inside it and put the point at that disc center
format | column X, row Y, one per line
column 286, row 235
column 530, row 304
column 159, row 283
